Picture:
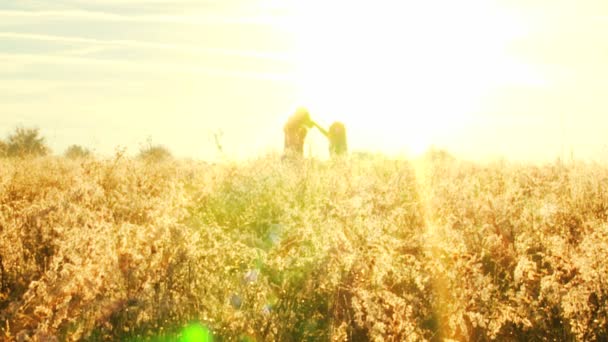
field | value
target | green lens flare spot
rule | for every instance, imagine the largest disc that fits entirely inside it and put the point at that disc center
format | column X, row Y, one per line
column 196, row 333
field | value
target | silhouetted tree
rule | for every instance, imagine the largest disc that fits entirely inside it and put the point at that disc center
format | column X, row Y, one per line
column 154, row 153
column 77, row 152
column 26, row 142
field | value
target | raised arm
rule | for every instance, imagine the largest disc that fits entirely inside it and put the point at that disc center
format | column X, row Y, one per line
column 321, row 129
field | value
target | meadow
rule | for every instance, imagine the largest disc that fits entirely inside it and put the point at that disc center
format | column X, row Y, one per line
column 355, row 249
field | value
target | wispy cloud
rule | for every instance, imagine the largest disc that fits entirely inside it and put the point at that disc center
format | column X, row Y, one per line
column 97, row 43
column 137, row 66
column 18, row 93
column 187, row 19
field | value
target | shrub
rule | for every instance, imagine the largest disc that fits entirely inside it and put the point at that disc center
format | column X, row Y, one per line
column 26, row 142
column 154, row 153
column 77, row 152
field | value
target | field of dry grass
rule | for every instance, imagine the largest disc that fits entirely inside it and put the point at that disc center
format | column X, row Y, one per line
column 356, row 249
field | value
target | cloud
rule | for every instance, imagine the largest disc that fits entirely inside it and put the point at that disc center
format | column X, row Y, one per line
column 99, row 43
column 187, row 19
column 137, row 66
column 28, row 86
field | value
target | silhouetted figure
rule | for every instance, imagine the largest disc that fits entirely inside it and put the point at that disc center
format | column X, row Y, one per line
column 295, row 130
column 337, row 138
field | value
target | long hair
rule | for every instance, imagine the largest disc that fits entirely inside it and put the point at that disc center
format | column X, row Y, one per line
column 337, row 139
column 295, row 131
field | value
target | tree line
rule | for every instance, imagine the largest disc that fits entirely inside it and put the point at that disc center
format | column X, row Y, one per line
column 28, row 142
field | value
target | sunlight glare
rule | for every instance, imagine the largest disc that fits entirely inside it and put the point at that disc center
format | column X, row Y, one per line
column 414, row 71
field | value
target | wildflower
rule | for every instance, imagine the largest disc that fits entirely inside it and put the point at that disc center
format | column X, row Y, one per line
column 251, row 276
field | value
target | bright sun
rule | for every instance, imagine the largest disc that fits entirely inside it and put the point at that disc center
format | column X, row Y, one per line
column 401, row 75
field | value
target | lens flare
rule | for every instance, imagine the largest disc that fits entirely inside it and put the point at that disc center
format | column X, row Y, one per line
column 196, row 333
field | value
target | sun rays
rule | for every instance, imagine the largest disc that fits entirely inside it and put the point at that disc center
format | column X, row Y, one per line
column 409, row 66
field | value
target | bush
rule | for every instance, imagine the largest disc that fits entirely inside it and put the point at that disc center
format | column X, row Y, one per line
column 77, row 152
column 26, row 142
column 154, row 153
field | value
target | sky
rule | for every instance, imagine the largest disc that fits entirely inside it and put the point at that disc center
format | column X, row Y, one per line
column 524, row 80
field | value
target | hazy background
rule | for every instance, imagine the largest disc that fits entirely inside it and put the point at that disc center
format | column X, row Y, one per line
column 527, row 80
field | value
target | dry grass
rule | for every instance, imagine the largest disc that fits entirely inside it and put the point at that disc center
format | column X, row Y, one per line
column 357, row 249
